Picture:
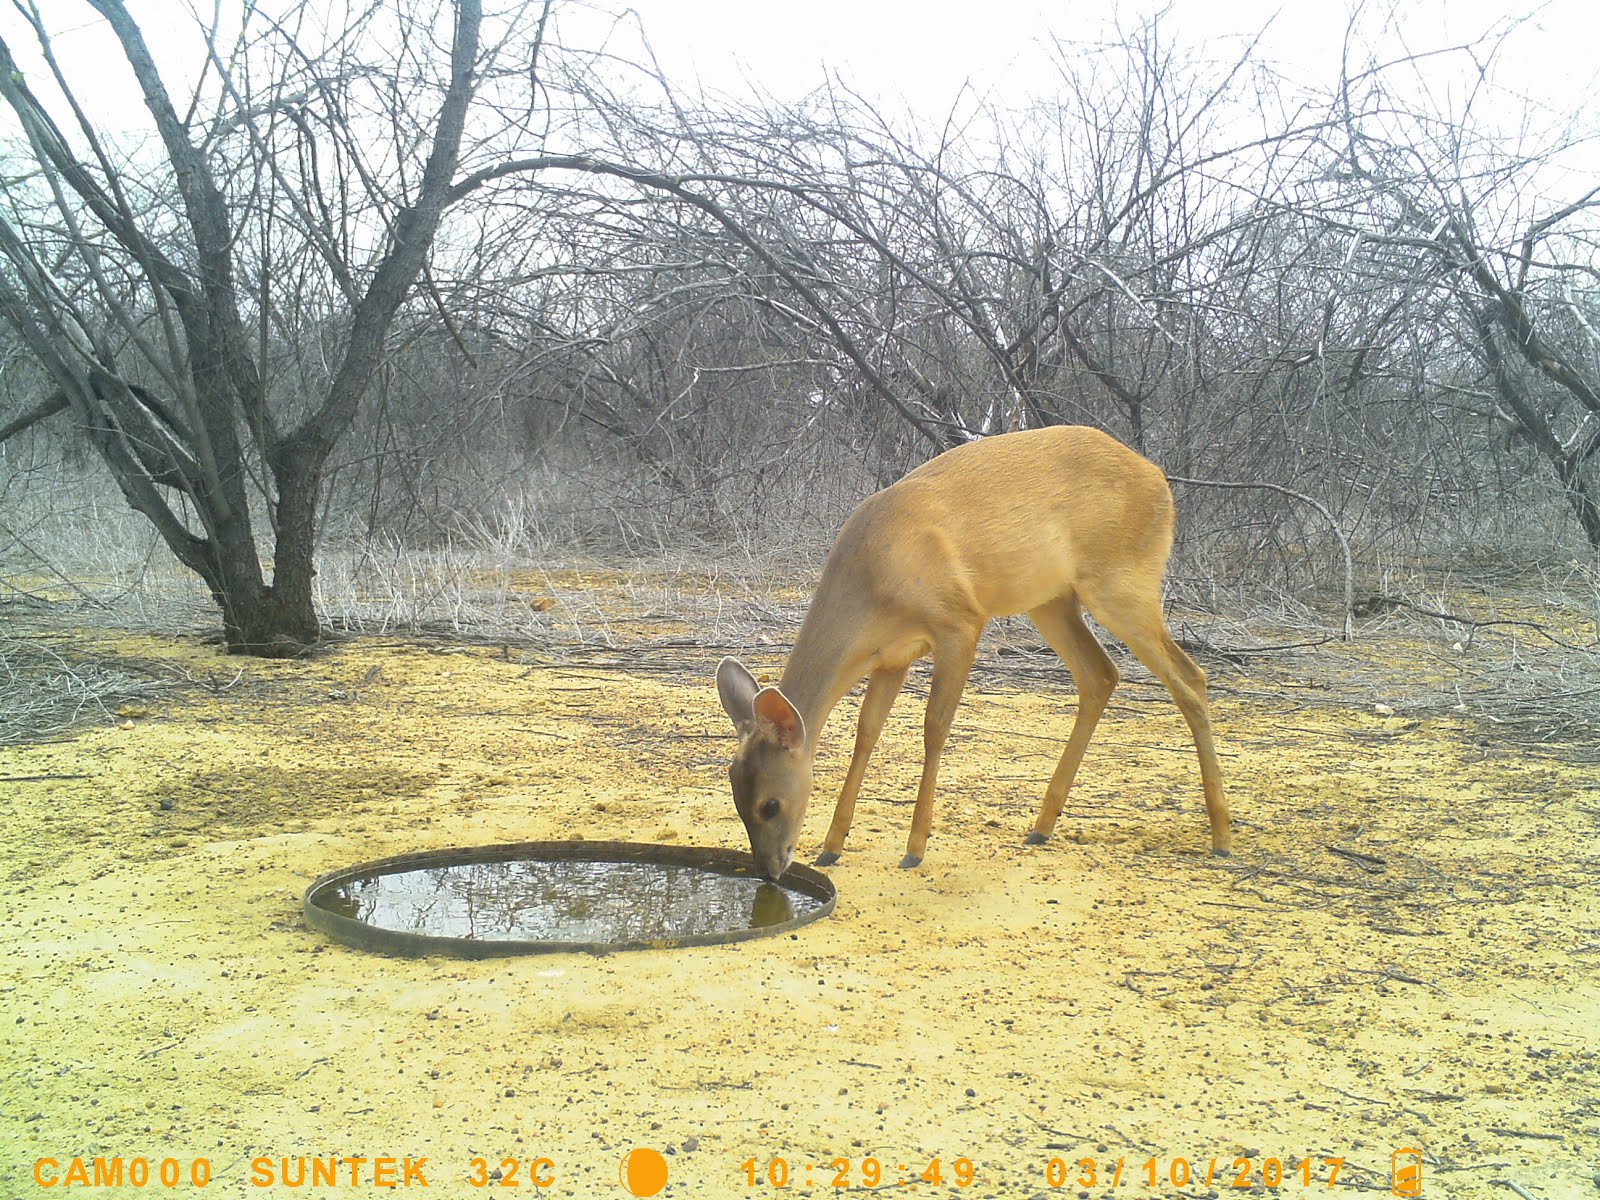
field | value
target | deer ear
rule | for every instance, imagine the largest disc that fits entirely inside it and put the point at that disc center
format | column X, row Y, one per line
column 779, row 719
column 737, row 689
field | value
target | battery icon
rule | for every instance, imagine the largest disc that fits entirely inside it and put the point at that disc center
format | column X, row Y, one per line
column 1405, row 1172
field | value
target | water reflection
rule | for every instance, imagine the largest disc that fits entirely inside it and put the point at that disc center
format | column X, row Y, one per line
column 565, row 901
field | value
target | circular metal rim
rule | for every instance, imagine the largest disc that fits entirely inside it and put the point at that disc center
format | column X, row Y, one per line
column 359, row 934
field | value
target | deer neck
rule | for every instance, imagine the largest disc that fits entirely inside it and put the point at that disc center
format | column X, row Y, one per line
column 826, row 662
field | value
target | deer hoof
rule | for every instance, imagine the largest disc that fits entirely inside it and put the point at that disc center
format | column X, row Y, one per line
column 1221, row 852
column 826, row 859
column 909, row 861
column 1035, row 839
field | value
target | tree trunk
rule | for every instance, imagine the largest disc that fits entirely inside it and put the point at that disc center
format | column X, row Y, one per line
column 1567, row 464
column 191, row 439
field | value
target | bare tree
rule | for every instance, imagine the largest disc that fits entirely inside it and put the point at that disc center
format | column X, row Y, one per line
column 1446, row 217
column 158, row 294
column 1346, row 302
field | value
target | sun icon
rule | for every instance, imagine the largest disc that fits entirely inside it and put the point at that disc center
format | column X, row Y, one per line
column 644, row 1172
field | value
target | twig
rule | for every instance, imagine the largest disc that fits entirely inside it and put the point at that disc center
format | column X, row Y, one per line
column 1402, row 602
column 1246, row 651
column 1364, row 1099
column 1147, row 1146
column 1367, row 862
column 1399, row 978
column 1344, row 542
column 1078, row 1139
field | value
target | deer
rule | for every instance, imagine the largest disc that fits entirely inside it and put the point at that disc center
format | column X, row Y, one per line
column 1051, row 522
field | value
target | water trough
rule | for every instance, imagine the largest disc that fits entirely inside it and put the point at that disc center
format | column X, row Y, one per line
column 541, row 897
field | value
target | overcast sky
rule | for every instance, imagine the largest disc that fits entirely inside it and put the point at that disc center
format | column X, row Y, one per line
column 924, row 52
column 918, row 54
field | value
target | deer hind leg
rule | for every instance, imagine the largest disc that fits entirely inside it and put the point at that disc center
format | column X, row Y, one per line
column 1061, row 623
column 1137, row 620
column 952, row 661
column 882, row 687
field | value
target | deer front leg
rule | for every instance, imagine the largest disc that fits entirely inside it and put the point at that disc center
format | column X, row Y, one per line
column 952, row 661
column 882, row 687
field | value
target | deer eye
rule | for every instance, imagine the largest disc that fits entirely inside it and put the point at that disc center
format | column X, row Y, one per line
column 769, row 808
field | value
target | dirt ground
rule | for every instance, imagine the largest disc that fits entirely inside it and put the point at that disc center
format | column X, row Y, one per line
column 1403, row 954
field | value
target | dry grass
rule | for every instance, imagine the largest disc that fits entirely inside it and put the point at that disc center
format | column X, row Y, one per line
column 1507, row 640
column 44, row 693
column 1527, row 660
column 1401, row 952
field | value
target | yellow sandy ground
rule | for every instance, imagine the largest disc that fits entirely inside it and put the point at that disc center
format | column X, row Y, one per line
column 1116, row 996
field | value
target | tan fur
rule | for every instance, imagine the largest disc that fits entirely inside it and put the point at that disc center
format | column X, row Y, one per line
column 1049, row 522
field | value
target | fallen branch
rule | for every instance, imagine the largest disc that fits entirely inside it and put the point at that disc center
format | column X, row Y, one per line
column 1474, row 625
column 1367, row 862
column 1527, row 1133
